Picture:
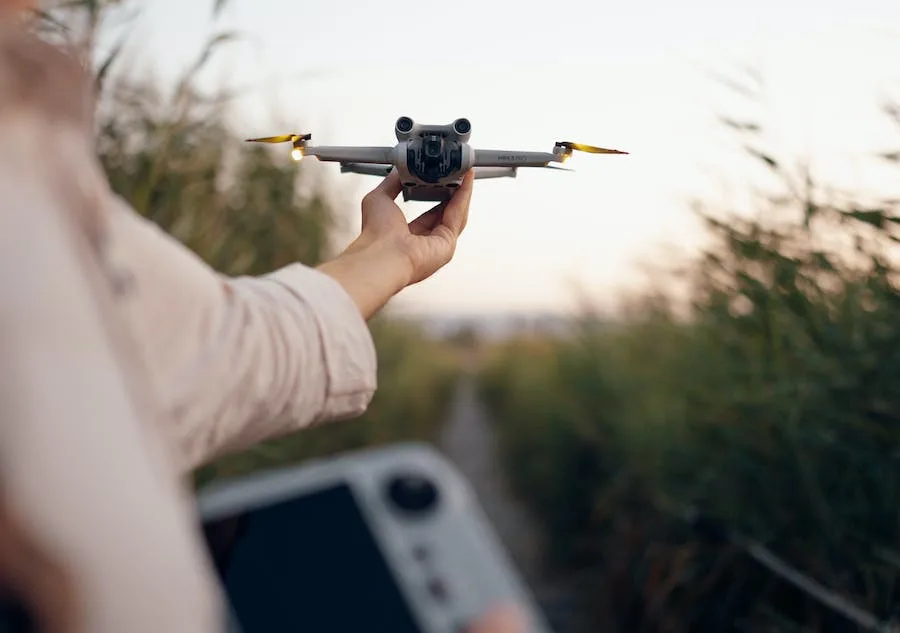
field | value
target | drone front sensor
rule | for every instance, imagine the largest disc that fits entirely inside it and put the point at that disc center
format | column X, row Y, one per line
column 432, row 159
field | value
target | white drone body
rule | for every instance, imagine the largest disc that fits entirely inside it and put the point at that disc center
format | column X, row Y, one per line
column 431, row 159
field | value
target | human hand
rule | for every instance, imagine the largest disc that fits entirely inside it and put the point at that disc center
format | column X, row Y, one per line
column 429, row 241
column 390, row 253
column 503, row 619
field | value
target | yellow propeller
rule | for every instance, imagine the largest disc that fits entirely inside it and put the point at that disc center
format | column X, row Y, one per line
column 283, row 138
column 590, row 149
column 297, row 140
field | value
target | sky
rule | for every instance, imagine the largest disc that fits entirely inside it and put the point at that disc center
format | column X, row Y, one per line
column 634, row 76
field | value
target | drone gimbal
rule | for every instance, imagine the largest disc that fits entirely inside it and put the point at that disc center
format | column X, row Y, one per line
column 431, row 159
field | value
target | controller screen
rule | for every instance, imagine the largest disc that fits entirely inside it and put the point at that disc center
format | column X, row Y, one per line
column 307, row 564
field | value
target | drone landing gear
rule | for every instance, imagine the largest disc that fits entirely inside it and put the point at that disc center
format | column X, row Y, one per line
column 429, row 193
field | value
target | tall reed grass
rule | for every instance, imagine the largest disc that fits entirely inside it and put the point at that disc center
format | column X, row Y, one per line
column 772, row 409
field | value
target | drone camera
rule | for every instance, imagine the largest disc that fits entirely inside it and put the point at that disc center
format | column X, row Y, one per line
column 404, row 128
column 433, row 146
column 462, row 126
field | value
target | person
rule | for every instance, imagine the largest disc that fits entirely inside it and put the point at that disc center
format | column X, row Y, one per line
column 127, row 362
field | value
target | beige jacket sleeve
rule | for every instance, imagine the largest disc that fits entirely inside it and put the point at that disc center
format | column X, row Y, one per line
column 117, row 345
column 84, row 471
column 238, row 360
column 98, row 355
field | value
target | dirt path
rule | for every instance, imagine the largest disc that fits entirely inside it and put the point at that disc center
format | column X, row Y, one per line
column 467, row 440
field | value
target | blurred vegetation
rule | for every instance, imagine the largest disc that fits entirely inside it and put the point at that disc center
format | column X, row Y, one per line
column 772, row 407
column 243, row 208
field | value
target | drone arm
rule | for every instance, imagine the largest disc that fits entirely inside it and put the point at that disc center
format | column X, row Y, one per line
column 349, row 154
column 506, row 158
column 374, row 169
column 367, row 169
column 494, row 172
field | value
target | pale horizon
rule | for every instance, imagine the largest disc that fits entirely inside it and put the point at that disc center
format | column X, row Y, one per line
column 528, row 74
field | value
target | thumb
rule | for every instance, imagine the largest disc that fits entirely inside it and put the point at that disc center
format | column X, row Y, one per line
column 425, row 223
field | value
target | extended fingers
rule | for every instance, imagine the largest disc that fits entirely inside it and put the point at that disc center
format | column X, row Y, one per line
column 453, row 214
column 390, row 186
column 456, row 214
column 386, row 191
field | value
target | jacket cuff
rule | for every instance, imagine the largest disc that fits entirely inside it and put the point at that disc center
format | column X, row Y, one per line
column 348, row 350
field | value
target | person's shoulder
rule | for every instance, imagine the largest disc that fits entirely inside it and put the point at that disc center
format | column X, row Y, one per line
column 119, row 207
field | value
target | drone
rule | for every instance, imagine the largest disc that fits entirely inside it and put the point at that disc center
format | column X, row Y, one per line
column 431, row 159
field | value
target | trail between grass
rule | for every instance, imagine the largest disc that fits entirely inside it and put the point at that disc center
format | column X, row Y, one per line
column 467, row 440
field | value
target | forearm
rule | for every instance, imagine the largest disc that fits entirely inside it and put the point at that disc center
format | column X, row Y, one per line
column 241, row 360
column 370, row 275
